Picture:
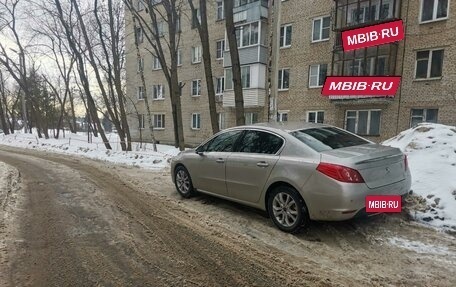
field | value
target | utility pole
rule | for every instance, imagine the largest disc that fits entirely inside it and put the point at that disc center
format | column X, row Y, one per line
column 274, row 59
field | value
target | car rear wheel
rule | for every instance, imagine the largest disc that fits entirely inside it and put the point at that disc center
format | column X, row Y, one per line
column 184, row 182
column 287, row 209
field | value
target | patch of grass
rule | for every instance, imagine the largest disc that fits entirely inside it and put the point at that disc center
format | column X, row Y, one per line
column 425, row 129
column 412, row 145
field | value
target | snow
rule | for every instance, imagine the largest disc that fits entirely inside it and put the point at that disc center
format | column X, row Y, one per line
column 76, row 144
column 431, row 150
column 419, row 247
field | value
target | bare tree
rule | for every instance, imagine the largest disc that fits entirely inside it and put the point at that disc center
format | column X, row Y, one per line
column 15, row 66
column 110, row 28
column 143, row 81
column 235, row 63
column 3, row 116
column 204, row 36
column 60, row 54
column 165, row 49
column 69, row 24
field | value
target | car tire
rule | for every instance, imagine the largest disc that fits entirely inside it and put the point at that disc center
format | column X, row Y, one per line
column 287, row 209
column 183, row 182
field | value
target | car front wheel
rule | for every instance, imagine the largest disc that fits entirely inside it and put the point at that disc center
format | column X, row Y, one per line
column 287, row 209
column 183, row 182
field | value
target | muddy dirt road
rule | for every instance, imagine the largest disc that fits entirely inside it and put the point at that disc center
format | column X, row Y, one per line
column 76, row 222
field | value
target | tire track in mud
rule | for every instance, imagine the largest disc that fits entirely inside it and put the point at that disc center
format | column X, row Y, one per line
column 158, row 239
column 161, row 251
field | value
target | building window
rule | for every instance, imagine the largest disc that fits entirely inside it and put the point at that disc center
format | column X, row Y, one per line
column 196, row 88
column 140, row 65
column 282, row 116
column 284, row 79
column 178, row 24
column 433, row 10
column 196, row 18
column 357, row 12
column 196, row 54
column 228, row 79
column 423, row 115
column 139, row 5
column 251, row 118
column 156, row 64
column 429, row 64
column 245, row 78
column 317, row 75
column 158, row 92
column 363, row 122
column 141, row 121
column 140, row 92
column 247, row 35
column 196, row 121
column 220, row 48
column 221, row 120
column 179, row 57
column 220, row 10
column 220, row 86
column 317, row 117
column 321, row 28
column 159, row 121
column 139, row 35
column 285, row 36
column 161, row 28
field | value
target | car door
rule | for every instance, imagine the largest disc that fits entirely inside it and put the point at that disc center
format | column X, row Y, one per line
column 249, row 166
column 209, row 166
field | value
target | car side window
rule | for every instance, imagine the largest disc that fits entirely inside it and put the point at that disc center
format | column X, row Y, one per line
column 224, row 142
column 260, row 142
column 204, row 147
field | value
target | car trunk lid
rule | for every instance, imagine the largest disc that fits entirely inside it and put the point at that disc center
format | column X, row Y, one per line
column 378, row 165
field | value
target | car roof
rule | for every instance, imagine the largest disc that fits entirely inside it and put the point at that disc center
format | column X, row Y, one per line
column 286, row 126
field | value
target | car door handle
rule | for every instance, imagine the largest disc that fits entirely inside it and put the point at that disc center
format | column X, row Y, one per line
column 220, row 160
column 262, row 164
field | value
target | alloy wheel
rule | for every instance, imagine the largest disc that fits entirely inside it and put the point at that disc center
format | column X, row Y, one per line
column 285, row 209
column 183, row 181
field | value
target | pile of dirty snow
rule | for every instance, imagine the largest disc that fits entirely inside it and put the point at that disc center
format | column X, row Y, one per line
column 431, row 150
column 142, row 155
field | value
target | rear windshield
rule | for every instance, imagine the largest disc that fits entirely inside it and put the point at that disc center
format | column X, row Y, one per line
column 328, row 138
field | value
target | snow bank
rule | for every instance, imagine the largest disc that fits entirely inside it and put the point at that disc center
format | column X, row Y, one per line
column 431, row 150
column 76, row 144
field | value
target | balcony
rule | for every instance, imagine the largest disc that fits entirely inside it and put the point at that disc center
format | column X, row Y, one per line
column 360, row 100
column 372, row 61
column 349, row 14
column 248, row 55
column 252, row 98
column 250, row 10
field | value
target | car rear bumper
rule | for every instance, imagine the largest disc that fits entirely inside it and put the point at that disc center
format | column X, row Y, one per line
column 336, row 201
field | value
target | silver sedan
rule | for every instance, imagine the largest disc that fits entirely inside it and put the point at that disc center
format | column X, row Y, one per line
column 295, row 172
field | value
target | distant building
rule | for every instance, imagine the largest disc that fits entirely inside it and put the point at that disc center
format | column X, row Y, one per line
column 310, row 49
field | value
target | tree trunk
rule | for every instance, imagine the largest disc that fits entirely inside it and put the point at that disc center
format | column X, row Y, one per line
column 235, row 64
column 83, row 77
column 73, row 115
column 204, row 37
column 3, row 121
column 146, row 99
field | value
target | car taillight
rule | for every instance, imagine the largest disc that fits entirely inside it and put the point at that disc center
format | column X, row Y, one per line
column 405, row 161
column 340, row 173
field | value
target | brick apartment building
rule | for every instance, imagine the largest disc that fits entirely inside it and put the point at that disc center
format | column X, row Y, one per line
column 309, row 49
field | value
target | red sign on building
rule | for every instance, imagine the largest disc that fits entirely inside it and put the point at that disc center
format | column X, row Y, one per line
column 361, row 86
column 373, row 35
